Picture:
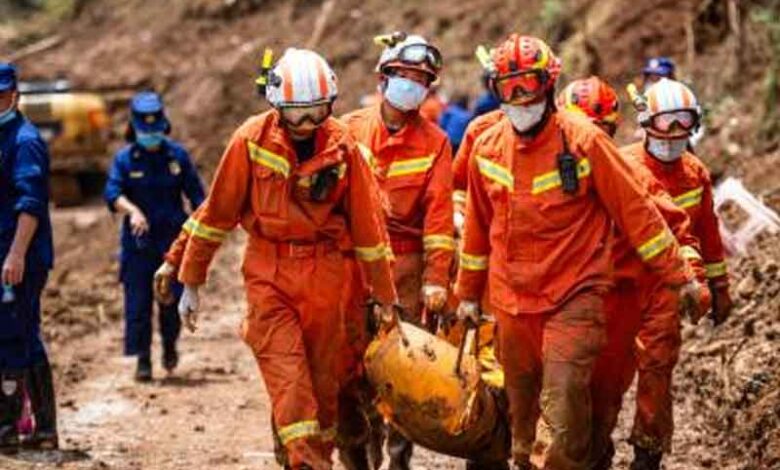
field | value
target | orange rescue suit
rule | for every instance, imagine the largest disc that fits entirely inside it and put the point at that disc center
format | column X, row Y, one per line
column 688, row 181
column 536, row 246
column 298, row 250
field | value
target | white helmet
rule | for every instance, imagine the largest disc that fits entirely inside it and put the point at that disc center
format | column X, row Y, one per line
column 408, row 51
column 669, row 101
column 301, row 78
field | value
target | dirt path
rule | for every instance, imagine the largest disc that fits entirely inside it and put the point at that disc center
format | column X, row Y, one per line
column 213, row 413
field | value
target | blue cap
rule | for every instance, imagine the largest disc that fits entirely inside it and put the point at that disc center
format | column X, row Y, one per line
column 7, row 76
column 662, row 66
column 148, row 113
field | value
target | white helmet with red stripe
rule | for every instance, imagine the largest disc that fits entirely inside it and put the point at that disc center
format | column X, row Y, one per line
column 668, row 97
column 301, row 78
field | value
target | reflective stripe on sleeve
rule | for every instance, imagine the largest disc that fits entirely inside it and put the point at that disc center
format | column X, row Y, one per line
column 655, row 245
column 473, row 262
column 201, row 230
column 444, row 242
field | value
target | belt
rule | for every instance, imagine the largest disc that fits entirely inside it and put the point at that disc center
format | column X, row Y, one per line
column 298, row 249
column 406, row 246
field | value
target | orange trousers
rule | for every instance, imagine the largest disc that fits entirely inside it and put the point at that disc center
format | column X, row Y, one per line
column 547, row 361
column 643, row 334
column 295, row 332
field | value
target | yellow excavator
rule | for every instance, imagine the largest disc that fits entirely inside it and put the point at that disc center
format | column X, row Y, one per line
column 76, row 126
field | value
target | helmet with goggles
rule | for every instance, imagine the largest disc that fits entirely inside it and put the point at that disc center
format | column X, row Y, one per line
column 523, row 69
column 594, row 98
column 671, row 109
column 302, row 86
column 408, row 51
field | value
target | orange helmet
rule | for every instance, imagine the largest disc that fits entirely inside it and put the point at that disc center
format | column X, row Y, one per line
column 594, row 98
column 523, row 68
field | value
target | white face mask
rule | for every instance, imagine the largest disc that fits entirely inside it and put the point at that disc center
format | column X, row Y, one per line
column 525, row 117
column 405, row 94
column 666, row 150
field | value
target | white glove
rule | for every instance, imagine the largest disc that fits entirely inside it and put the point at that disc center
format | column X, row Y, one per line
column 163, row 278
column 469, row 311
column 434, row 297
column 188, row 307
column 458, row 219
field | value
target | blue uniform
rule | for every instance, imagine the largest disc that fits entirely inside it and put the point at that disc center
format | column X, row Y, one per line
column 486, row 102
column 454, row 121
column 24, row 188
column 155, row 182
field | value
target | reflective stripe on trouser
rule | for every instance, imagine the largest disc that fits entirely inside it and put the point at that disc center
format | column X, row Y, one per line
column 547, row 362
column 657, row 350
column 295, row 333
column 615, row 367
column 137, row 276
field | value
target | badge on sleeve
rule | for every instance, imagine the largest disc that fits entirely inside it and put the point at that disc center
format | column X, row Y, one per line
column 175, row 168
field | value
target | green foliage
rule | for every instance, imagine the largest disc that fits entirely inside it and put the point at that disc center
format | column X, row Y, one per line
column 551, row 14
column 768, row 16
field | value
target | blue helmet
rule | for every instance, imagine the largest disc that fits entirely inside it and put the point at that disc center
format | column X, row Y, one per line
column 147, row 113
column 662, row 66
column 8, row 79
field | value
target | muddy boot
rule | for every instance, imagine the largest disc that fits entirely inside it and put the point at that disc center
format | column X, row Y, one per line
column 645, row 459
column 143, row 370
column 399, row 449
column 44, row 406
column 170, row 358
column 354, row 457
column 376, row 440
column 10, row 411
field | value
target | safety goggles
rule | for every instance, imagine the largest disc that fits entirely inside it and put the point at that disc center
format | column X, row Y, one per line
column 416, row 54
column 297, row 115
column 684, row 119
column 521, row 87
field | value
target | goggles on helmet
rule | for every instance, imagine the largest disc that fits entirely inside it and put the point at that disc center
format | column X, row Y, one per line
column 521, row 87
column 685, row 119
column 297, row 115
column 416, row 54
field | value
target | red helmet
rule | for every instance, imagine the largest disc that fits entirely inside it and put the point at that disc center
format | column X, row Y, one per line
column 594, row 98
column 523, row 68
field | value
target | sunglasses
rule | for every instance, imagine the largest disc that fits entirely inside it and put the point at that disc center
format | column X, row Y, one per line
column 685, row 119
column 297, row 115
column 520, row 87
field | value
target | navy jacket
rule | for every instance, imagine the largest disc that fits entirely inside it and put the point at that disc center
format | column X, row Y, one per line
column 24, row 187
column 155, row 182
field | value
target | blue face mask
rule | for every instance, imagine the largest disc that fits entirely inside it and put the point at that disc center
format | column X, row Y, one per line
column 149, row 140
column 404, row 94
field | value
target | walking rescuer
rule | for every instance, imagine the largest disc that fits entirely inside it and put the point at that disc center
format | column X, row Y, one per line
column 411, row 160
column 145, row 183
column 296, row 182
column 27, row 253
column 544, row 189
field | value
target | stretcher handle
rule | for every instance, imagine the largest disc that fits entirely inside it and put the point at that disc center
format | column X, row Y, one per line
column 397, row 310
column 470, row 325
